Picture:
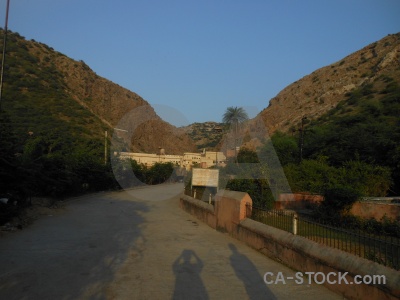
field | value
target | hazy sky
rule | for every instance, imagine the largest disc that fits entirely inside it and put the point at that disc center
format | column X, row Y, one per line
column 192, row 59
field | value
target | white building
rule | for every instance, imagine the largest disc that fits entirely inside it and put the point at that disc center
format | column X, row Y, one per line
column 149, row 159
column 187, row 160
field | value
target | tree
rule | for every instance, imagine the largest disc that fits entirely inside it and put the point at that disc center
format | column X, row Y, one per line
column 235, row 116
column 247, row 156
column 285, row 146
column 159, row 173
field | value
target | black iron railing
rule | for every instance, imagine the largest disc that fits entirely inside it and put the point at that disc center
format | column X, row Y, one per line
column 382, row 249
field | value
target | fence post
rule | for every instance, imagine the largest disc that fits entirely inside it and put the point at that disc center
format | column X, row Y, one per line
column 294, row 223
column 209, row 199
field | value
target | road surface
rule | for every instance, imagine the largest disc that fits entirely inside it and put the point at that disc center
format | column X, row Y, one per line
column 136, row 244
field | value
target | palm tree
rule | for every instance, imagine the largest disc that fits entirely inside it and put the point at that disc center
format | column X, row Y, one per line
column 235, row 116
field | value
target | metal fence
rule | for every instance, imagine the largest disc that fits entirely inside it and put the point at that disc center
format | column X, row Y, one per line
column 382, row 249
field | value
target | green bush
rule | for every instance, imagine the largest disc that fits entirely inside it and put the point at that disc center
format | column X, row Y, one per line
column 339, row 199
column 247, row 156
column 313, row 176
column 369, row 180
column 285, row 147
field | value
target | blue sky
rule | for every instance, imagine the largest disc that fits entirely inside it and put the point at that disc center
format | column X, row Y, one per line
column 192, row 59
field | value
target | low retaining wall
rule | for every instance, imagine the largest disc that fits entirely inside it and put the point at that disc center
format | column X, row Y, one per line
column 201, row 210
column 305, row 255
column 364, row 209
column 229, row 215
column 297, row 201
column 377, row 211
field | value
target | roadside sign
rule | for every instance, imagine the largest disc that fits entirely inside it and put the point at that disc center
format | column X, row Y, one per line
column 205, row 177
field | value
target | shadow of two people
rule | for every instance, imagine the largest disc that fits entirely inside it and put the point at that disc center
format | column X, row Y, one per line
column 189, row 285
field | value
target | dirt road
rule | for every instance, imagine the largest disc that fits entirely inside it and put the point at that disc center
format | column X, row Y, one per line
column 136, row 244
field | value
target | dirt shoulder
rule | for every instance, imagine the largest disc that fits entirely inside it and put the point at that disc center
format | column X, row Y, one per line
column 40, row 207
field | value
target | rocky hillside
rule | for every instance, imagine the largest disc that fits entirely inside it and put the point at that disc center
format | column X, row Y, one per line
column 205, row 135
column 36, row 71
column 314, row 95
column 44, row 90
column 322, row 90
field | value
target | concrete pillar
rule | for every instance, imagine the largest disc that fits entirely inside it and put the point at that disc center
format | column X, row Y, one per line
column 230, row 209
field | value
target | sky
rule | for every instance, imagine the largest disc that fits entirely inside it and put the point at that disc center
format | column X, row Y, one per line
column 192, row 59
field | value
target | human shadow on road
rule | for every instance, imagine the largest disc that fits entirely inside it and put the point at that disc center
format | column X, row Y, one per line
column 247, row 272
column 188, row 284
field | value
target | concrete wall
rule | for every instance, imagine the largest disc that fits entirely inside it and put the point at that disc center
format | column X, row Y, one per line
column 201, row 210
column 229, row 215
column 362, row 209
column 307, row 256
column 230, row 209
column 296, row 201
column 376, row 210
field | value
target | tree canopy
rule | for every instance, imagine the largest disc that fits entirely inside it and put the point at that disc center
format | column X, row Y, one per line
column 234, row 116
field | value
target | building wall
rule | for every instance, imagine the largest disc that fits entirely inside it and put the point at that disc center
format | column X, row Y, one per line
column 187, row 160
column 149, row 159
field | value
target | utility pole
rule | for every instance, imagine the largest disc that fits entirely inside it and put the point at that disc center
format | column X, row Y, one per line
column 4, row 53
column 105, row 147
column 302, row 137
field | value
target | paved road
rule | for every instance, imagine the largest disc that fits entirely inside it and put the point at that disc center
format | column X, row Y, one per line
column 136, row 244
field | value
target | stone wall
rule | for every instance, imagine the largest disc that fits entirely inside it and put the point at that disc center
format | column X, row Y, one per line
column 377, row 211
column 201, row 210
column 297, row 201
column 305, row 255
column 363, row 209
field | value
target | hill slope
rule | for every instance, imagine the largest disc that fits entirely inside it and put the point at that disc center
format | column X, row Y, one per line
column 321, row 91
column 205, row 135
column 315, row 95
column 47, row 93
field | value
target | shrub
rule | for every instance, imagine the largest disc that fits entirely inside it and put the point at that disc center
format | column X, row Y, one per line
column 339, row 199
column 247, row 156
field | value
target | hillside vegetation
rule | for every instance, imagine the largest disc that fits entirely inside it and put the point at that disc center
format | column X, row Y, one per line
column 45, row 89
column 54, row 115
column 50, row 142
column 352, row 151
column 336, row 131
